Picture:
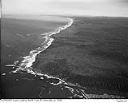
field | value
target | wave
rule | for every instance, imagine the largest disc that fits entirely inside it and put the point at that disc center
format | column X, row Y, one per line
column 28, row 61
column 76, row 90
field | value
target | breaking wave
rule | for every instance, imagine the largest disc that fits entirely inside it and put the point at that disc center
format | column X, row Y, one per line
column 27, row 62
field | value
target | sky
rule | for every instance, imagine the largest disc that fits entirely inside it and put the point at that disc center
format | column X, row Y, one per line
column 66, row 7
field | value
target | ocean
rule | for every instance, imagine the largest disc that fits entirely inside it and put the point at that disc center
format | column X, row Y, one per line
column 63, row 57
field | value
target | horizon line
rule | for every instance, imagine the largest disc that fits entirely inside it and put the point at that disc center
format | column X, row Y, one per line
column 59, row 15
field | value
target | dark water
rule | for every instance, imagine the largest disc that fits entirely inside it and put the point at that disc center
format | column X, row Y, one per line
column 87, row 60
column 19, row 37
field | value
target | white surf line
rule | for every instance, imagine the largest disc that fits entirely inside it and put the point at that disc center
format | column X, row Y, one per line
column 28, row 61
column 72, row 91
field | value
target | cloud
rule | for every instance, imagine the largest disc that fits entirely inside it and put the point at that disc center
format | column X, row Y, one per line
column 66, row 7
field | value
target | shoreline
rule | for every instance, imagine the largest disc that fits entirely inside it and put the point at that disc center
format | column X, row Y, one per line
column 28, row 61
column 61, row 59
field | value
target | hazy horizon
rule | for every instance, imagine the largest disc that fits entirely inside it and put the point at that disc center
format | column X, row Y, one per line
column 113, row 8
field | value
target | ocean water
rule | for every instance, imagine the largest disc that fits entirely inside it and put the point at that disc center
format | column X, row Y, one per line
column 52, row 57
column 22, row 40
column 19, row 36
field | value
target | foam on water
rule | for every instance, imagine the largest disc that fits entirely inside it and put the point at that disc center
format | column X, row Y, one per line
column 27, row 62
